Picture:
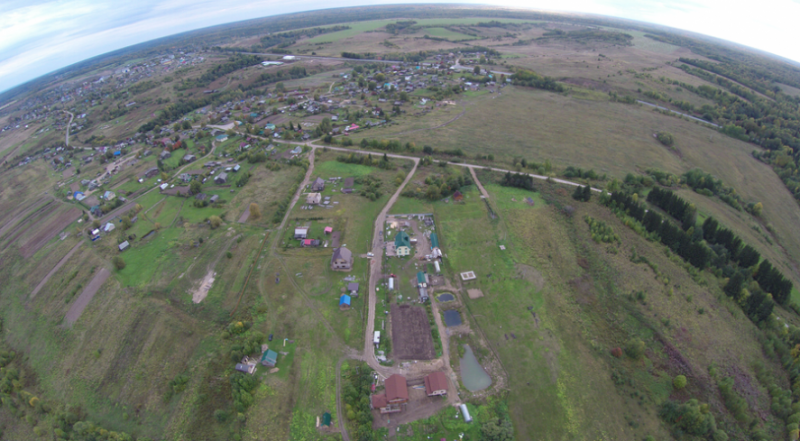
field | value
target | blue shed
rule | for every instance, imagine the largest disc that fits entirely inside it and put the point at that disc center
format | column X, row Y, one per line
column 344, row 301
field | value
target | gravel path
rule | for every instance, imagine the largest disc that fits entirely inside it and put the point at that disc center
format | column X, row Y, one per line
column 478, row 183
column 86, row 296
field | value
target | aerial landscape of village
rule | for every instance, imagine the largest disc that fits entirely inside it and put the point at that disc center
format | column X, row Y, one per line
column 408, row 222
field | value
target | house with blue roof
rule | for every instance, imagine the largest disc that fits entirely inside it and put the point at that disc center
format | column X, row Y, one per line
column 344, row 302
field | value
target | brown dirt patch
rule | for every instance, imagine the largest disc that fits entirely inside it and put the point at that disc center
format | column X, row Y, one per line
column 47, row 231
column 588, row 84
column 175, row 190
column 243, row 218
column 411, row 334
column 531, row 275
column 86, row 296
column 68, row 173
column 584, row 289
column 91, row 201
column 474, row 293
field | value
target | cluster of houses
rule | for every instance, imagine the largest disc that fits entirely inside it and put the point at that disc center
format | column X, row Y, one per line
column 395, row 394
column 89, row 93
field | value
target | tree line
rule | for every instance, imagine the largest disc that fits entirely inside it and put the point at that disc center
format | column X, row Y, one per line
column 729, row 250
column 235, row 63
column 518, row 180
column 532, row 79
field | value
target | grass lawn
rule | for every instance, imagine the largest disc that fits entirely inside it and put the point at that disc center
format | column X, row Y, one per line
column 447, row 34
column 174, row 160
column 144, row 259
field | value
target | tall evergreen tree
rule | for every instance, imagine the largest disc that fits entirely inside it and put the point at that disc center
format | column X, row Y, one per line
column 734, row 286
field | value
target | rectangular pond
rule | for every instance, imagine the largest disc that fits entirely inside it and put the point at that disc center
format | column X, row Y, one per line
column 452, row 318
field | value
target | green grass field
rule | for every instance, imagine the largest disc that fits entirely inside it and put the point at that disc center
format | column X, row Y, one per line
column 447, row 34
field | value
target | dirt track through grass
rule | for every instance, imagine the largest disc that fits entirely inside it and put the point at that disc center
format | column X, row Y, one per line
column 54, row 270
column 86, row 296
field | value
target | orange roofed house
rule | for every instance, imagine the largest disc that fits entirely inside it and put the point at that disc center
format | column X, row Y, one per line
column 396, row 393
column 436, row 384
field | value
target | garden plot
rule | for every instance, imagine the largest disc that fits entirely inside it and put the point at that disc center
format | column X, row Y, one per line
column 411, row 334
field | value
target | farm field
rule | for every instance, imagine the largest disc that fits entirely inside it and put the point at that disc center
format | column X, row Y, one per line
column 608, row 133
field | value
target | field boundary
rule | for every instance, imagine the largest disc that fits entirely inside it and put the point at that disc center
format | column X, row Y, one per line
column 54, row 270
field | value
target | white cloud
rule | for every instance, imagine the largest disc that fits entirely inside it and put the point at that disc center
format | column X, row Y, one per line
column 40, row 36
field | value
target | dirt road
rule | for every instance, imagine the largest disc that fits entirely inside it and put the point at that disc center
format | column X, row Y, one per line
column 86, row 296
column 296, row 197
column 478, row 183
column 376, row 269
column 54, row 270
column 69, row 124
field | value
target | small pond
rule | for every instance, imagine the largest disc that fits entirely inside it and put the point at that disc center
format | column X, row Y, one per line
column 452, row 318
column 472, row 374
column 446, row 298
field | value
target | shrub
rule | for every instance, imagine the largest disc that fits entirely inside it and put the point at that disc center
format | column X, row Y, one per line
column 634, row 349
column 221, row 415
column 229, row 255
column 119, row 264
column 665, row 138
column 679, row 382
column 215, row 221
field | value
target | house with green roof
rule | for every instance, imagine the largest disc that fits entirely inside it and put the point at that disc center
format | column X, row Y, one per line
column 269, row 358
column 402, row 244
column 326, row 419
column 422, row 279
column 435, row 251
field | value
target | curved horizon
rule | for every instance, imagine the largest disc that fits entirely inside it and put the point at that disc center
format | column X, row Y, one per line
column 47, row 35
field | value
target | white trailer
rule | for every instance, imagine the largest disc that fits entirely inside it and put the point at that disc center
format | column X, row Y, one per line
column 391, row 283
column 436, row 265
column 377, row 338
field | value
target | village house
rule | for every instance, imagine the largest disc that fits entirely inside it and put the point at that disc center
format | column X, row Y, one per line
column 310, row 243
column 395, row 394
column 313, row 198
column 269, row 358
column 342, row 259
column 436, row 384
column 402, row 244
column 246, row 368
column 221, row 178
column 344, row 302
column 151, row 172
column 318, row 185
column 189, row 158
column 435, row 251
column 301, row 232
column 164, row 155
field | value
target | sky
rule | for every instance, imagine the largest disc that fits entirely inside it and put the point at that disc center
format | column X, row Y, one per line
column 40, row 36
